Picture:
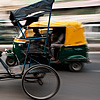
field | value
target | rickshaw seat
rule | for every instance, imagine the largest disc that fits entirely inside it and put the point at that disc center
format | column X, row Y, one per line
column 34, row 52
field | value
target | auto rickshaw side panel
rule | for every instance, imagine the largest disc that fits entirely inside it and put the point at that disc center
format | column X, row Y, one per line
column 75, row 46
column 73, row 53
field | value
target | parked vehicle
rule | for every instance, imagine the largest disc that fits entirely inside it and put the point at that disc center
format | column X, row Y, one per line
column 92, row 33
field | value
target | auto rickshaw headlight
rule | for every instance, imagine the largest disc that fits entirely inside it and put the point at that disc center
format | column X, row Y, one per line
column 20, row 45
column 8, row 50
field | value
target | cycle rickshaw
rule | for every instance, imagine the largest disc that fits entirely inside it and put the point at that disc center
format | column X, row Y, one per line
column 73, row 52
column 39, row 81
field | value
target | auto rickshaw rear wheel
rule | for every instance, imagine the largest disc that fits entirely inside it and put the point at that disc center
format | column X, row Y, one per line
column 10, row 61
column 76, row 66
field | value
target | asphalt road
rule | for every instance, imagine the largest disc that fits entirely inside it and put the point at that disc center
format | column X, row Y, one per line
column 83, row 85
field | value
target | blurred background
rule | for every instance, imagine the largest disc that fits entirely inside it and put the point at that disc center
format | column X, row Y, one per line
column 85, row 11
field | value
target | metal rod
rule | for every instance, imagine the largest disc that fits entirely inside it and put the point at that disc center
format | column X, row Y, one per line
column 36, row 38
column 5, row 66
column 21, row 29
column 47, row 32
column 26, row 56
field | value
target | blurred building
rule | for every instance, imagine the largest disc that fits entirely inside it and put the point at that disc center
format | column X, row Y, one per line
column 7, row 31
column 7, row 5
column 83, row 11
column 86, row 11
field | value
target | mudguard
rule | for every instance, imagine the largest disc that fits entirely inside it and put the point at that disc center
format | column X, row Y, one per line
column 77, row 58
column 11, row 54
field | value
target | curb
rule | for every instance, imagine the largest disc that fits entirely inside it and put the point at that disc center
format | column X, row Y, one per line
column 3, row 47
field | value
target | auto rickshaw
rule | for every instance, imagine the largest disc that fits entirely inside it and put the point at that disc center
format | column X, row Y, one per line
column 73, row 52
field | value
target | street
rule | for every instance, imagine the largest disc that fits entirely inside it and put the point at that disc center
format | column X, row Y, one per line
column 83, row 85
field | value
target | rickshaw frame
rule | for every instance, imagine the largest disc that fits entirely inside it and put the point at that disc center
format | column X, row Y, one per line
column 33, row 39
column 38, row 71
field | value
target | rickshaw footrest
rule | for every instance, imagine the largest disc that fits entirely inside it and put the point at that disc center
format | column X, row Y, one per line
column 15, row 70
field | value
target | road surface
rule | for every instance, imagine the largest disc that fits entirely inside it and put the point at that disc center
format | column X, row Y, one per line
column 83, row 85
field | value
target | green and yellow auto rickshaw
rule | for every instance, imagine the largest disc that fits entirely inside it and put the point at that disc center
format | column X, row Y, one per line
column 73, row 52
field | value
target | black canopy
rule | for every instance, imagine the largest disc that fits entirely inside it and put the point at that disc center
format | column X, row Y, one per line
column 32, row 12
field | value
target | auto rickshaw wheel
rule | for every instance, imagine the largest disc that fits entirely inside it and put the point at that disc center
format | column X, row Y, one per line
column 75, row 66
column 10, row 61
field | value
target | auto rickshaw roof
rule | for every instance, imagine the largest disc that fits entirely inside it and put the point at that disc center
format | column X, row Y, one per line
column 75, row 24
column 74, row 34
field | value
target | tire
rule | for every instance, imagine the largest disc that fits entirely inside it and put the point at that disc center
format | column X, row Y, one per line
column 40, row 82
column 76, row 66
column 10, row 61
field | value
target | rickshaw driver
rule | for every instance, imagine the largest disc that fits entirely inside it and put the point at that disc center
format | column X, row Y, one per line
column 36, row 31
column 36, row 43
column 57, row 44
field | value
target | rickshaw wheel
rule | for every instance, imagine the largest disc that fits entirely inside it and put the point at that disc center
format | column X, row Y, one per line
column 43, row 82
column 76, row 66
column 10, row 61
